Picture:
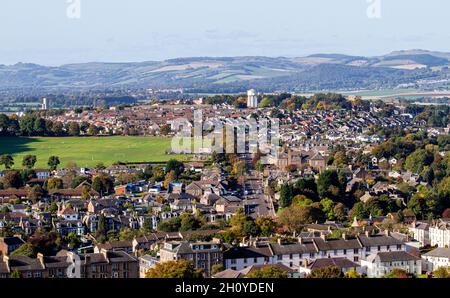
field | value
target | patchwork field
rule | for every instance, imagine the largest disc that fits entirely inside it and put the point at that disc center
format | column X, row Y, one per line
column 89, row 151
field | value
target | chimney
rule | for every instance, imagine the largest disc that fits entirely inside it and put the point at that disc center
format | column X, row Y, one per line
column 279, row 240
column 300, row 240
column 323, row 236
column 387, row 232
column 40, row 257
column 367, row 234
column 344, row 236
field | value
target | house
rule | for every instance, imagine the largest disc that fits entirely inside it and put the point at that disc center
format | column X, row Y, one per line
column 146, row 263
column 42, row 173
column 115, row 246
column 439, row 232
column 344, row 264
column 238, row 258
column 68, row 214
column 439, row 257
column 105, row 264
column 72, row 193
column 204, row 255
column 10, row 244
column 199, row 188
column 65, row 227
column 420, row 231
column 382, row 263
column 10, row 194
column 318, row 162
column 40, row 267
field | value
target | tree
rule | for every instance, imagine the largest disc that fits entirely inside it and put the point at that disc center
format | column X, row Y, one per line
column 29, row 161
column 35, row 193
column 328, row 185
column 326, row 272
column 103, row 184
column 396, row 273
column 358, row 211
column 101, row 229
column 251, row 228
column 237, row 221
column 267, row 272
column 15, row 274
column 217, row 268
column 328, row 208
column 54, row 183
column 12, row 179
column 286, row 195
column 53, row 162
column 165, row 129
column 417, row 160
column 352, row 274
column 170, row 225
column 24, row 250
column 189, row 222
column 6, row 160
column 73, row 129
column 339, row 212
column 266, row 225
column 442, row 272
column 170, row 177
column 295, row 217
column 73, row 240
column 93, row 130
column 174, row 269
column 176, row 166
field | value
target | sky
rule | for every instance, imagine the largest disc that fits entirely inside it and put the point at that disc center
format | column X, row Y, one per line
column 49, row 32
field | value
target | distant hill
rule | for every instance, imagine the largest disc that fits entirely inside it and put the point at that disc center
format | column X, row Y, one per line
column 236, row 74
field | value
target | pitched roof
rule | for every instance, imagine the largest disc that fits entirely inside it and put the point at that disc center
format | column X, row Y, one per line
column 441, row 252
column 392, row 256
column 247, row 252
column 341, row 263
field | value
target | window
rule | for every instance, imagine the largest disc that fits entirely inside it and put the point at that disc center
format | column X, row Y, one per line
column 290, row 257
column 245, row 261
column 279, row 257
column 255, row 260
column 356, row 251
column 345, row 251
column 379, row 248
column 355, row 259
column 367, row 248
column 291, row 264
column 233, row 261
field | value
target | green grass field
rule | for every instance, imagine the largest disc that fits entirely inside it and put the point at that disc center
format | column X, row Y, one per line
column 89, row 151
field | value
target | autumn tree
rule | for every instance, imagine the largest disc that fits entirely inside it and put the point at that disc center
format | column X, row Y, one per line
column 326, row 272
column 174, row 269
column 267, row 272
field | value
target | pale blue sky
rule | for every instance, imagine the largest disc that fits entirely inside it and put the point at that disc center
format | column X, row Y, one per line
column 39, row 31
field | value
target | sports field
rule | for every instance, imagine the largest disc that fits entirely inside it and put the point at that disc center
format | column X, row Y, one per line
column 89, row 151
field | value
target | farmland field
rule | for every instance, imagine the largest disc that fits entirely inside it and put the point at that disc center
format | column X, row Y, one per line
column 89, row 151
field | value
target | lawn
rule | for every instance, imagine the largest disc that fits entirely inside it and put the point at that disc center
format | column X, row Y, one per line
column 89, row 151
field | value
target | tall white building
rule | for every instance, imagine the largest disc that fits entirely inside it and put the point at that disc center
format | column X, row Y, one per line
column 252, row 99
column 45, row 104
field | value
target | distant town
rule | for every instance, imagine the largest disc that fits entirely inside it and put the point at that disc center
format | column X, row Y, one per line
column 357, row 189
